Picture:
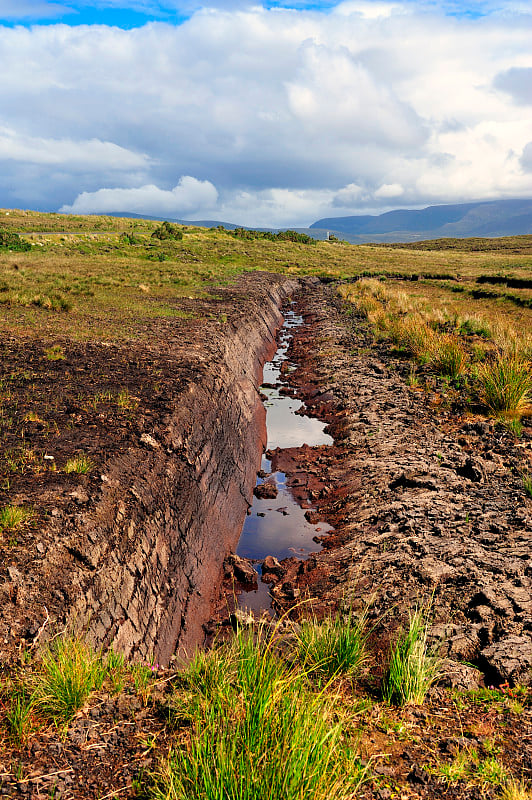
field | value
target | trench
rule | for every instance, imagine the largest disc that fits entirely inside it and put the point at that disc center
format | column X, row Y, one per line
column 277, row 526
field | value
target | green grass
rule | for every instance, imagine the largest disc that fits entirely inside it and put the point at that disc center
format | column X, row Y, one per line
column 70, row 671
column 19, row 712
column 448, row 357
column 506, row 385
column 54, row 353
column 337, row 646
column 256, row 726
column 412, row 668
column 81, row 464
column 14, row 517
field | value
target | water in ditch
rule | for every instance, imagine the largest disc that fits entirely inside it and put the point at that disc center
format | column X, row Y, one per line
column 277, row 527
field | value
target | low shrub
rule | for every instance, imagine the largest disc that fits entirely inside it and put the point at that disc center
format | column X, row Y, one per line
column 167, row 231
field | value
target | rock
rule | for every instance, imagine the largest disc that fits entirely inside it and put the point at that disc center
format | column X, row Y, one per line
column 271, row 564
column 511, row 658
column 272, row 570
column 241, row 568
column 149, row 441
column 79, row 496
column 312, row 516
column 472, row 470
column 417, row 775
column 266, row 491
column 460, row 676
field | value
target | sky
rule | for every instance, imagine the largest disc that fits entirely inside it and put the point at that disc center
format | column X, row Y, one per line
column 264, row 115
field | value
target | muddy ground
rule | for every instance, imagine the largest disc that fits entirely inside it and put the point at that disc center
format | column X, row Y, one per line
column 426, row 498
column 427, row 504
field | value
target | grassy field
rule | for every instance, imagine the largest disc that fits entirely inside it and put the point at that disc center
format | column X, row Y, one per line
column 99, row 276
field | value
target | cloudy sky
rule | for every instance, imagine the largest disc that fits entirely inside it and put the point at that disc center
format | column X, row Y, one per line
column 274, row 114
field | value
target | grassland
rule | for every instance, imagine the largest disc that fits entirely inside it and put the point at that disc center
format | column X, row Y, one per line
column 101, row 277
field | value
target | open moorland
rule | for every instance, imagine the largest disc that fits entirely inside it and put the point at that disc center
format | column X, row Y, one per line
column 399, row 663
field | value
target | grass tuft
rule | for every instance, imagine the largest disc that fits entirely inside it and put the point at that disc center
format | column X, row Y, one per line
column 448, row 357
column 81, row 464
column 255, row 727
column 19, row 713
column 337, row 646
column 506, row 385
column 13, row 517
column 515, row 790
column 70, row 672
column 412, row 669
column 54, row 353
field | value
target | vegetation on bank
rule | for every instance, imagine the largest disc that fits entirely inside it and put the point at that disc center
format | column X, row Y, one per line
column 294, row 709
column 484, row 360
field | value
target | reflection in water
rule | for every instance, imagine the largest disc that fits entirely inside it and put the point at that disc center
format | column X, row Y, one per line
column 278, row 527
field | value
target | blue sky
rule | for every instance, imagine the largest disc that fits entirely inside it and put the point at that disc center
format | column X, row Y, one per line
column 264, row 114
column 132, row 15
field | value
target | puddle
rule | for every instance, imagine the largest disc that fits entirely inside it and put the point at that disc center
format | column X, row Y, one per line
column 278, row 527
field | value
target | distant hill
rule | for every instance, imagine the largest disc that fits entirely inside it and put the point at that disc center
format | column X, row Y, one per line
column 211, row 223
column 496, row 218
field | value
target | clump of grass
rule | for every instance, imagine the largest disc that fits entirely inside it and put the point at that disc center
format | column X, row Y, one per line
column 19, row 713
column 336, row 646
column 126, row 401
column 527, row 483
column 474, row 326
column 70, row 671
column 54, row 353
column 414, row 336
column 255, row 727
column 506, row 385
column 81, row 464
column 115, row 669
column 490, row 772
column 515, row 790
column 13, row 517
column 448, row 357
column 458, row 769
column 412, row 668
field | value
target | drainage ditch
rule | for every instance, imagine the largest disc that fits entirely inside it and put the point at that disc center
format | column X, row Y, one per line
column 276, row 525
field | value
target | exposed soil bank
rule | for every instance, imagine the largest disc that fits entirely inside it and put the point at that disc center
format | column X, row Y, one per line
column 425, row 503
column 133, row 552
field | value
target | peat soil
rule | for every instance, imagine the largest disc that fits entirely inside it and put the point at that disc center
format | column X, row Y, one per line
column 427, row 504
column 426, row 498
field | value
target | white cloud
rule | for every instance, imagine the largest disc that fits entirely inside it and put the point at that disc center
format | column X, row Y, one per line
column 369, row 9
column 389, row 190
column 68, row 153
column 291, row 115
column 189, row 195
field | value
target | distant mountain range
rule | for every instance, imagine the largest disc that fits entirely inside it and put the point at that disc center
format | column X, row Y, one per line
column 487, row 219
column 458, row 221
